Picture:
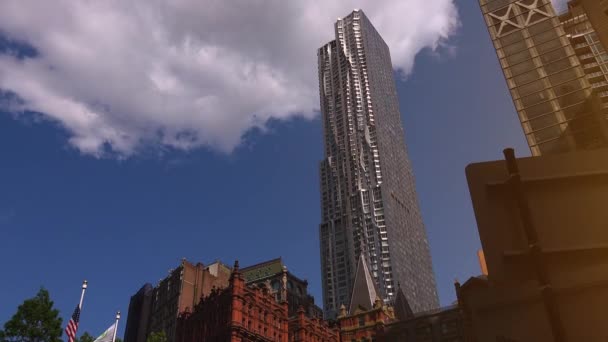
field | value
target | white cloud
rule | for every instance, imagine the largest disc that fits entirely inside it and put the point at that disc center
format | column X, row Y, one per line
column 188, row 73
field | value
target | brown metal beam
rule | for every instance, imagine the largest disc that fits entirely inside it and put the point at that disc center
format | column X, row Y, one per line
column 534, row 249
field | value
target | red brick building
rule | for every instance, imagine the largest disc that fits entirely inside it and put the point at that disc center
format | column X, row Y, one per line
column 271, row 273
column 189, row 284
column 365, row 324
column 382, row 323
column 248, row 313
column 180, row 291
column 305, row 329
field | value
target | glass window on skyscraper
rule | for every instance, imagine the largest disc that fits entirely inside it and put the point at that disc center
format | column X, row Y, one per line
column 369, row 201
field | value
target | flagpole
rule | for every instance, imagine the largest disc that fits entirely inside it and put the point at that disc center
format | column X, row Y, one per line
column 116, row 326
column 84, row 288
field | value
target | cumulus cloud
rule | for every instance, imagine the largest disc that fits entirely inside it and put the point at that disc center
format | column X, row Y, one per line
column 119, row 75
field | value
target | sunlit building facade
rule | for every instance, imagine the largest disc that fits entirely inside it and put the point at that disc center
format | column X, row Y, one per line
column 548, row 84
column 588, row 48
column 369, row 201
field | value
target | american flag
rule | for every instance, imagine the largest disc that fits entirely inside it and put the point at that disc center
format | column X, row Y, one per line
column 72, row 327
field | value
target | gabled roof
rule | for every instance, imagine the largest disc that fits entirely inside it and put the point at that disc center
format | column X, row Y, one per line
column 364, row 289
column 403, row 310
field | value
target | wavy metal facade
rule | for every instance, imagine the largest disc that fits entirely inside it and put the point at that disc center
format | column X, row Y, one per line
column 369, row 201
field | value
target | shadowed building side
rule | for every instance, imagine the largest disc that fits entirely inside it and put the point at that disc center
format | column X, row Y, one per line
column 180, row 291
column 541, row 223
column 139, row 314
column 273, row 274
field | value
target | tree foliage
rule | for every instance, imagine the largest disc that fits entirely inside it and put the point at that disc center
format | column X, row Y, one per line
column 157, row 337
column 86, row 337
column 35, row 321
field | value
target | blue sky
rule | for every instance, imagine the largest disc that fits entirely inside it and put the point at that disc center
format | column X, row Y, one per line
column 67, row 215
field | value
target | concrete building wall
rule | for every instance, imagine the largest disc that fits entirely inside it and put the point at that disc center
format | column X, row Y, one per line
column 546, row 274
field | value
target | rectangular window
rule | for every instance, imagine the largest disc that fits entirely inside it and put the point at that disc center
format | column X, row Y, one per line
column 538, row 110
column 575, row 110
column 571, row 99
column 548, row 133
column 526, row 77
column 531, row 88
column 518, row 57
column 543, row 121
column 558, row 66
column 549, row 46
column 553, row 146
column 514, row 37
column 563, row 76
column 497, row 4
column 535, row 98
column 553, row 56
column 514, row 48
column 568, row 87
column 522, row 67
column 545, row 36
column 541, row 27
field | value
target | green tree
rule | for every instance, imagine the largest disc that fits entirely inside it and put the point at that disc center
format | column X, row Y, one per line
column 157, row 337
column 86, row 337
column 35, row 321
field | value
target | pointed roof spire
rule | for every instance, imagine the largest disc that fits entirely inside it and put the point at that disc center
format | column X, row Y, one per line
column 364, row 289
column 343, row 312
column 403, row 311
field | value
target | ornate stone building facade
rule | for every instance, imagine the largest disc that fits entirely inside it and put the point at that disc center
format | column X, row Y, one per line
column 187, row 285
column 248, row 313
column 373, row 320
column 382, row 324
column 307, row 329
column 271, row 274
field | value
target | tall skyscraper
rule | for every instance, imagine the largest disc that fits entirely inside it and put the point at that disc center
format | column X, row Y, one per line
column 557, row 107
column 369, row 202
